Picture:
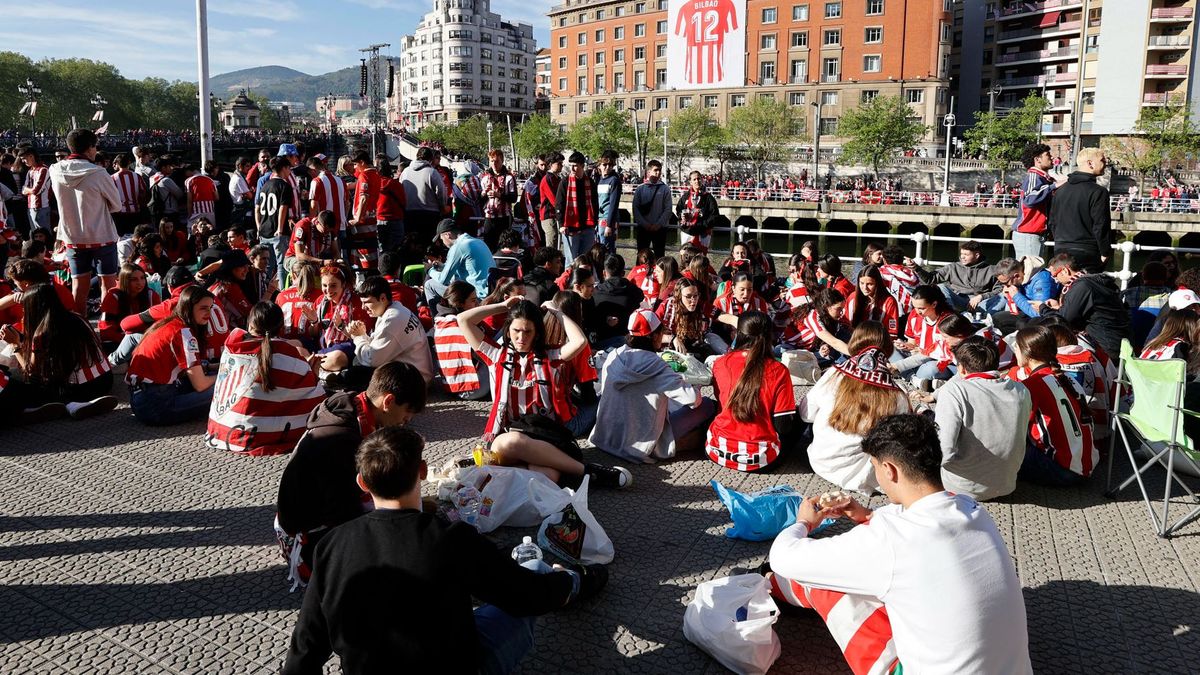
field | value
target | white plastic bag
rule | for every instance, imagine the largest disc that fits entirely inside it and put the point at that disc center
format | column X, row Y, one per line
column 697, row 373
column 802, row 365
column 573, row 533
column 732, row 620
column 505, row 495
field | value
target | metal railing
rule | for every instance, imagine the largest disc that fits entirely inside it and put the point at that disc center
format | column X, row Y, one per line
column 1022, row 8
column 1030, row 32
column 1167, row 69
column 1037, row 55
column 1170, row 40
column 1171, row 13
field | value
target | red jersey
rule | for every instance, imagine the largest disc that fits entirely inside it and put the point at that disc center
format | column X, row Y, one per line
column 38, row 180
column 233, row 300
column 335, row 316
column 202, row 191
column 392, row 200
column 366, row 201
column 746, row 446
column 1058, row 425
column 329, row 192
column 132, row 189
column 295, row 326
column 901, row 282
column 1170, row 350
column 642, row 276
column 522, row 384
column 313, row 242
column 802, row 334
column 924, row 332
column 116, row 305
column 164, row 354
column 886, row 312
column 704, row 24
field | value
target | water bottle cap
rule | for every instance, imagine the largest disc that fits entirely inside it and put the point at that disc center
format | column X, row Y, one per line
column 527, row 540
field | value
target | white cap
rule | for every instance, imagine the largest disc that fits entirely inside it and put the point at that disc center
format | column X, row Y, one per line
column 1182, row 299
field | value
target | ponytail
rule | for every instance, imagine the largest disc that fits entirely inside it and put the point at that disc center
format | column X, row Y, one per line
column 264, row 363
column 266, row 320
column 754, row 330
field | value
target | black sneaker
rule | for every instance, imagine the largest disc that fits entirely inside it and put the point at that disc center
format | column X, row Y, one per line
column 92, row 408
column 43, row 413
column 592, row 580
column 614, row 477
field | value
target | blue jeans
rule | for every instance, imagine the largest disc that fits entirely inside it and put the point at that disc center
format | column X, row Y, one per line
column 278, row 247
column 1025, row 244
column 577, row 243
column 124, row 351
column 1040, row 468
column 40, row 218
column 504, row 639
column 610, row 243
column 165, row 404
column 993, row 304
column 583, row 421
column 957, row 300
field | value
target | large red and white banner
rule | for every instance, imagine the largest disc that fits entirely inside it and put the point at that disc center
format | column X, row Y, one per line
column 706, row 43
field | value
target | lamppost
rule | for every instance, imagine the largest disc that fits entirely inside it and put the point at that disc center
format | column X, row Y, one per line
column 489, row 130
column 948, row 122
column 816, row 140
column 665, row 125
column 30, row 91
column 994, row 91
column 98, row 103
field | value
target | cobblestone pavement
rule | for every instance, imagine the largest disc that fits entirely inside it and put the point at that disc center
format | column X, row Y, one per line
column 126, row 549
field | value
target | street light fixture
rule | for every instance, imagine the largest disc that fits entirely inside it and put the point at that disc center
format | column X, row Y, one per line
column 30, row 90
column 816, row 140
column 489, row 130
column 948, row 122
column 98, row 103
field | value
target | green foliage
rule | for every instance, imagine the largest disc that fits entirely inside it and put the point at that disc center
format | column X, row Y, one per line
column 436, row 132
column 605, row 129
column 876, row 130
column 268, row 118
column 693, row 132
column 539, row 136
column 1165, row 135
column 1000, row 138
column 471, row 138
column 763, row 129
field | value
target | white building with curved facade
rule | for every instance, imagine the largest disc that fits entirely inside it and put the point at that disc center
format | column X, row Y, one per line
column 464, row 60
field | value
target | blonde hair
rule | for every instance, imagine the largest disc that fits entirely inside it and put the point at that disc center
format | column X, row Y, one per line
column 1087, row 155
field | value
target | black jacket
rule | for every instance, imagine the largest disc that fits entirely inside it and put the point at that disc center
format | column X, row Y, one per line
column 391, row 593
column 318, row 487
column 1079, row 216
column 1093, row 304
column 540, row 285
column 616, row 297
column 708, row 214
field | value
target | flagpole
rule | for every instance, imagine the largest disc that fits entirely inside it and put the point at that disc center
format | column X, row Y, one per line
column 202, row 64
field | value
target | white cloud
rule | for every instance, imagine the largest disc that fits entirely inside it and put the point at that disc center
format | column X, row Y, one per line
column 257, row 9
column 398, row 5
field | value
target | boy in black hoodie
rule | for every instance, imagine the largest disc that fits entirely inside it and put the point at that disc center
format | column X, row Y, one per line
column 616, row 298
column 318, row 489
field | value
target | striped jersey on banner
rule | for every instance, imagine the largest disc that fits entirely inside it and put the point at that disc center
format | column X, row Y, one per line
column 704, row 25
column 247, row 419
column 454, row 355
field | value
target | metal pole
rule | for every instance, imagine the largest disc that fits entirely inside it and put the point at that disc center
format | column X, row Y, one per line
column 202, row 57
column 948, row 123
column 512, row 146
column 816, row 140
column 666, row 124
column 637, row 140
column 1077, row 109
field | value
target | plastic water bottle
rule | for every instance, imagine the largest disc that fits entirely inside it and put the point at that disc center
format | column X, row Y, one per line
column 526, row 551
column 468, row 505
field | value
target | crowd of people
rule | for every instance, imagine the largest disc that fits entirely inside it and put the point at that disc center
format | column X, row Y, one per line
column 310, row 305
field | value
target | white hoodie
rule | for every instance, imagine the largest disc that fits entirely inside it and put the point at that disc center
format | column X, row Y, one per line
column 86, row 199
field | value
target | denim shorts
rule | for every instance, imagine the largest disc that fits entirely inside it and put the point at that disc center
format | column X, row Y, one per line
column 83, row 260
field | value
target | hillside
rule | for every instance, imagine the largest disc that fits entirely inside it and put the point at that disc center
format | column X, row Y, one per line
column 278, row 83
column 253, row 78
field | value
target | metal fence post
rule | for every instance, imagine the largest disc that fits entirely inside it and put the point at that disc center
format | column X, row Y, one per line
column 1127, row 249
column 919, row 238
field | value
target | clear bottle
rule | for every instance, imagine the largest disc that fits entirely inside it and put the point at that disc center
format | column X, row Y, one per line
column 526, row 551
column 467, row 500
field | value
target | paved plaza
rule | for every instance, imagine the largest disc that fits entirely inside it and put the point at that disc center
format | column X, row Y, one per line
column 125, row 549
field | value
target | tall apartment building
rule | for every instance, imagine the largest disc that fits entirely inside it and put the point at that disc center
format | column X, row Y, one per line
column 1106, row 59
column 542, row 100
column 828, row 53
column 464, row 60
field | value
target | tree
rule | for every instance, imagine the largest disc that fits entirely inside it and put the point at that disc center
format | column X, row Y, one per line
column 1000, row 138
column 1164, row 135
column 539, row 136
column 764, row 128
column 604, row 129
column 436, row 132
column 877, row 129
column 470, row 137
column 691, row 132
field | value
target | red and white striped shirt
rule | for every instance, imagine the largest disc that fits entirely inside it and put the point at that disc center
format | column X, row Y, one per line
column 886, row 312
column 727, row 304
column 803, row 334
column 1085, row 368
column 1166, row 351
column 202, row 193
column 329, row 192
column 797, row 296
column 38, row 179
column 901, row 282
column 1058, row 426
column 246, row 418
column 642, row 276
column 522, row 384
column 454, row 355
column 924, row 332
column 132, row 190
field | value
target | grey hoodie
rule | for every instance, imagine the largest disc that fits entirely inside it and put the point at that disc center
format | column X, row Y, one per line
column 982, row 423
column 86, row 199
column 424, row 189
column 635, row 386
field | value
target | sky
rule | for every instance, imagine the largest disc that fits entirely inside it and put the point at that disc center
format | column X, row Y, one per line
column 157, row 38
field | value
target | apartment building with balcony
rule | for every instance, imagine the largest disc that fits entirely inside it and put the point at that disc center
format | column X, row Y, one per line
column 813, row 54
column 1098, row 62
column 463, row 60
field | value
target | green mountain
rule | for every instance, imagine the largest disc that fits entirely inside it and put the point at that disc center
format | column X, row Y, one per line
column 279, row 83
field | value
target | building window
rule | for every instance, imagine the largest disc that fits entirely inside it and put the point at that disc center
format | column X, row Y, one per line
column 660, row 77
column 832, row 38
column 619, row 33
column 619, row 10
column 710, row 101
column 562, row 63
column 619, row 81
column 582, row 107
column 599, row 61
column 582, row 84
column 581, row 60
column 915, row 95
column 829, row 98
column 562, row 84
column 619, row 104
column 833, row 10
column 769, row 15
column 800, row 38
column 767, row 41
column 766, row 72
column 599, row 15
column 618, row 55
column 485, row 53
column 685, row 102
column 600, row 35
column 599, row 81
column 796, row 98
column 660, row 51
column 831, row 70
column 562, row 21
column 799, row 70
column 799, row 12
column 581, row 39
column 639, row 104
column 869, row 95
column 562, row 41
column 562, row 108
column 946, row 33
column 599, row 106
column 874, row 7
column 737, row 100
column 872, row 63
column 639, row 79
column 662, row 27
column 662, row 5
column 829, row 126
column 639, row 53
column 638, row 8
column 639, row 30
column 660, row 103
column 873, row 34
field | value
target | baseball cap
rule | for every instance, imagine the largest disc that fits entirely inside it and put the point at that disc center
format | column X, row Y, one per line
column 447, row 225
column 286, row 149
column 643, row 322
column 320, row 156
column 1182, row 299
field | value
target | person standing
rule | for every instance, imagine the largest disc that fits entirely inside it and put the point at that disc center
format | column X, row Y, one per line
column 133, row 196
column 165, row 194
column 652, row 211
column 608, row 191
column 272, row 214
column 1080, row 215
column 499, row 187
column 548, row 193
column 327, row 193
column 364, row 241
column 577, row 208
column 201, row 192
column 697, row 212
column 424, row 194
column 1033, row 210
column 36, row 190
column 241, row 194
column 533, row 199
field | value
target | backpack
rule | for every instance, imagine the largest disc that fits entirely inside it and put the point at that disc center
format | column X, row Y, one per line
column 158, row 202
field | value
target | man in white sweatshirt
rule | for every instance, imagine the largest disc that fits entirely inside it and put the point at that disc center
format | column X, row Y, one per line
column 86, row 199
column 397, row 336
column 925, row 583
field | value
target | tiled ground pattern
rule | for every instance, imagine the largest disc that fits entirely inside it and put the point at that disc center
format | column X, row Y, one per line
column 127, row 549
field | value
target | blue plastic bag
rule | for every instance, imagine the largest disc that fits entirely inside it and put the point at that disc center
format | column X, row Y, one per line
column 760, row 516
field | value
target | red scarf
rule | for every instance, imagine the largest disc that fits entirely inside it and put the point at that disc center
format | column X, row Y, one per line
column 693, row 208
column 572, row 209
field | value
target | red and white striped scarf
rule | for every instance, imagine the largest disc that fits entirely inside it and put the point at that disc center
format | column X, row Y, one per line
column 573, row 217
column 454, row 355
column 534, row 390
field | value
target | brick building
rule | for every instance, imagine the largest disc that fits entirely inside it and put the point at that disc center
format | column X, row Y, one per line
column 808, row 53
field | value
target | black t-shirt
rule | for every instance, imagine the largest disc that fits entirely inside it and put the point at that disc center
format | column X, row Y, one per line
column 275, row 194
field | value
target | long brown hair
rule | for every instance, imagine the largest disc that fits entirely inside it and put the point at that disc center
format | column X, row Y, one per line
column 1040, row 344
column 858, row 406
column 688, row 325
column 754, row 338
column 1181, row 324
column 57, row 342
column 188, row 299
column 266, row 322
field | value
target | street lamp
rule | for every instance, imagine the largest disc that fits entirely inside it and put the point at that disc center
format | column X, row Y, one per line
column 98, row 103
column 816, row 140
column 948, row 122
column 30, row 91
column 489, row 130
column 665, row 124
column 994, row 91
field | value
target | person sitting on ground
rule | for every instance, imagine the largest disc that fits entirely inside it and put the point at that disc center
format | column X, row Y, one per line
column 829, row 275
column 929, row 308
column 540, row 279
column 872, row 255
column 62, row 367
column 929, row 561
column 464, row 373
column 901, row 279
column 167, row 378
column 763, row 262
column 529, row 403
column 1059, row 450
column 1147, row 300
column 800, row 283
column 299, row 303
column 1178, row 339
column 317, row 490
column 396, row 585
column 818, row 327
column 739, row 261
column 265, row 388
column 1083, row 365
column 846, row 403
column 939, row 365
column 578, row 376
column 135, row 325
column 981, row 420
column 872, row 302
column 642, row 275
column 662, row 414
column 468, row 259
column 687, row 329
column 965, row 283
column 397, row 336
column 131, row 296
column 175, row 242
column 616, row 299
column 1025, row 289
column 25, row 275
column 1090, row 303
column 757, row 403
column 338, row 308
column 232, row 285
column 666, row 275
column 390, row 263
column 150, row 255
column 701, row 271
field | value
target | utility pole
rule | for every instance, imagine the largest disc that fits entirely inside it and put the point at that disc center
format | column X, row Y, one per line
column 202, row 63
column 948, row 122
column 1077, row 109
column 374, row 95
column 816, row 141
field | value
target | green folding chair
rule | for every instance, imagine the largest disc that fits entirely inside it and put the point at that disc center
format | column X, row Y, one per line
column 1154, row 422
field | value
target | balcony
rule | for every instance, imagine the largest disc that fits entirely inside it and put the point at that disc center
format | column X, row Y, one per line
column 1169, row 41
column 1066, row 27
column 1160, row 98
column 1055, row 128
column 1167, row 70
column 1043, row 55
column 1014, row 10
column 1171, row 14
column 1057, row 79
column 831, row 78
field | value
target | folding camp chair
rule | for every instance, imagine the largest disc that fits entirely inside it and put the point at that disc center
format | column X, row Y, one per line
column 1155, row 422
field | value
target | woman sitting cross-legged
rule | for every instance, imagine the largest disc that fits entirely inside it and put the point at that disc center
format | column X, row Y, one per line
column 130, row 296
column 659, row 413
column 686, row 327
column 529, row 403
column 846, row 403
column 167, row 380
column 818, row 327
column 265, row 388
